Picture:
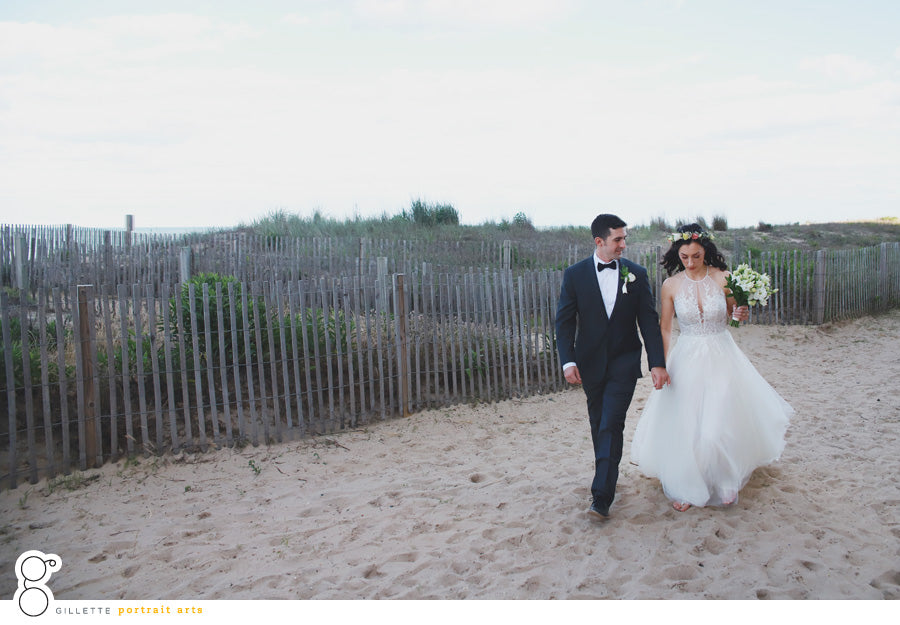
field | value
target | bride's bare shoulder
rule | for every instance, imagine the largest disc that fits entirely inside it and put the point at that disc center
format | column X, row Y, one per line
column 672, row 281
column 718, row 275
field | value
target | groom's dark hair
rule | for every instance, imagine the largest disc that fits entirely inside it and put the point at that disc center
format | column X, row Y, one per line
column 602, row 224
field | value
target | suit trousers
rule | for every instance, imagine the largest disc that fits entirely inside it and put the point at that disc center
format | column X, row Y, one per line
column 607, row 406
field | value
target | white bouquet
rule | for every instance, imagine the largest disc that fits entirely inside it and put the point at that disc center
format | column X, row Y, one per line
column 749, row 288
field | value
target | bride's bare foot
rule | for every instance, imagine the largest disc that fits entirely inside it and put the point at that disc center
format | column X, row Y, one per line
column 729, row 499
column 681, row 506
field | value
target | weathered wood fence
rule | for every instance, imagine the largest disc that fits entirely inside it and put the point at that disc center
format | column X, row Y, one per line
column 125, row 372
column 91, row 373
column 35, row 257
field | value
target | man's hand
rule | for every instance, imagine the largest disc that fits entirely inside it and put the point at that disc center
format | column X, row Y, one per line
column 660, row 377
column 572, row 375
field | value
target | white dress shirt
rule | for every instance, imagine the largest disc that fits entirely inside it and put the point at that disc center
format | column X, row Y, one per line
column 608, row 279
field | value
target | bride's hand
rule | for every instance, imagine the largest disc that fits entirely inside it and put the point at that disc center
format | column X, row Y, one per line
column 741, row 313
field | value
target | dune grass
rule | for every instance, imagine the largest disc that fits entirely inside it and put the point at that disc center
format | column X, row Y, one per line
column 434, row 222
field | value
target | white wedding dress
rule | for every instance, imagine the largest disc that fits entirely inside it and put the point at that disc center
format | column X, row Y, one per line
column 705, row 433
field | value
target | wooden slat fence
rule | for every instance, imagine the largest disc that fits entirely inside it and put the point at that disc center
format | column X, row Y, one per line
column 35, row 257
column 828, row 285
column 154, row 368
column 235, row 363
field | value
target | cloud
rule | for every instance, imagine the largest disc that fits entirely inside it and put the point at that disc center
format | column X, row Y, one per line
column 297, row 19
column 840, row 67
column 119, row 40
column 450, row 12
column 37, row 42
column 161, row 115
column 441, row 14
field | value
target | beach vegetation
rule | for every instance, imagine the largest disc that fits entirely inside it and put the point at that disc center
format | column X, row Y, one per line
column 25, row 351
column 71, row 482
column 520, row 230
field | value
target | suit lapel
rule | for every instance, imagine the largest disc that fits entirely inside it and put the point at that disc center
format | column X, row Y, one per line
column 603, row 314
column 618, row 288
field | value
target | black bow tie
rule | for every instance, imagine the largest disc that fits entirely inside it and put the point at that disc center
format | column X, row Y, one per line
column 602, row 266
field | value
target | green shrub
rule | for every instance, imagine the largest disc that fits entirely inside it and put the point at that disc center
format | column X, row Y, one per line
column 660, row 224
column 28, row 342
column 131, row 349
column 474, row 364
column 422, row 214
column 522, row 222
column 203, row 324
column 317, row 327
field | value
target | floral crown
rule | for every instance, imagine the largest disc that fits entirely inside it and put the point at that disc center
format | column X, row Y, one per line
column 688, row 236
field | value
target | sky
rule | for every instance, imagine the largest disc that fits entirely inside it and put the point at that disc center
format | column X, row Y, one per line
column 213, row 113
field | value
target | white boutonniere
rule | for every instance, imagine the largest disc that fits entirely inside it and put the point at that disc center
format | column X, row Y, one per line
column 627, row 277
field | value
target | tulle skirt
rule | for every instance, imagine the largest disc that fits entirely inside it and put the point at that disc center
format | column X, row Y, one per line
column 704, row 434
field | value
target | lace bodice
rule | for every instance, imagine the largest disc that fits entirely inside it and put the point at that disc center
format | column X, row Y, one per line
column 700, row 306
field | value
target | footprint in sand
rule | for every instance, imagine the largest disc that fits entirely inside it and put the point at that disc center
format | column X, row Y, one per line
column 888, row 584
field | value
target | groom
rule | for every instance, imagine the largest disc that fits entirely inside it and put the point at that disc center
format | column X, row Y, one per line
column 603, row 301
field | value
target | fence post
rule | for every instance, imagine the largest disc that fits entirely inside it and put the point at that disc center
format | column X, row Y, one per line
column 184, row 264
column 6, row 339
column 507, row 254
column 382, row 268
column 361, row 257
column 86, row 322
column 402, row 351
column 108, row 257
column 819, row 289
column 21, row 265
column 129, row 227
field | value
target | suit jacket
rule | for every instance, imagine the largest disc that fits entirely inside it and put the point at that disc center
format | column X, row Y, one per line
column 604, row 347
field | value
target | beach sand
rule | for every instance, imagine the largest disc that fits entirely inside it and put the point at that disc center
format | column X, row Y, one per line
column 490, row 502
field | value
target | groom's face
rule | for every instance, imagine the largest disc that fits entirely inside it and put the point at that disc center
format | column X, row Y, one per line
column 612, row 246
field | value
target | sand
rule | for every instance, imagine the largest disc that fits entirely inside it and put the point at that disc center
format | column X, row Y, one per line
column 490, row 502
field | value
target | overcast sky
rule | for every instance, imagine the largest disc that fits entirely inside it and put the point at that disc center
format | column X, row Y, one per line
column 210, row 113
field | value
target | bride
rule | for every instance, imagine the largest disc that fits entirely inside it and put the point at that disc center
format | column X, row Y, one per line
column 705, row 433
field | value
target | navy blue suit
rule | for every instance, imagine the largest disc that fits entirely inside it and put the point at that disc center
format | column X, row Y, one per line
column 607, row 352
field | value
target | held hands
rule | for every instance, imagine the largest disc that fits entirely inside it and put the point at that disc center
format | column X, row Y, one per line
column 572, row 375
column 659, row 374
column 660, row 377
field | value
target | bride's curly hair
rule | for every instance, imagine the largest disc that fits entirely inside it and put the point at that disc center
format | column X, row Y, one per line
column 695, row 234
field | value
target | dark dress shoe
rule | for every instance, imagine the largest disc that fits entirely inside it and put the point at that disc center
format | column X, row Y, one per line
column 598, row 511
